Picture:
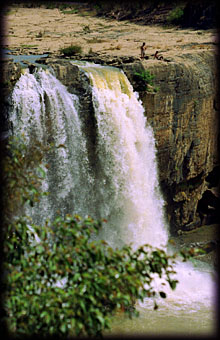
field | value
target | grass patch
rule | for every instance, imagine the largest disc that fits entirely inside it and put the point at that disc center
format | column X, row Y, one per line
column 9, row 12
column 84, row 14
column 86, row 29
column 95, row 41
column 40, row 34
column 28, row 46
column 71, row 50
column 105, row 26
column 70, row 11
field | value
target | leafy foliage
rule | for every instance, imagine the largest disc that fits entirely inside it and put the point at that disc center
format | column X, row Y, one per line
column 176, row 15
column 145, row 80
column 58, row 278
column 22, row 175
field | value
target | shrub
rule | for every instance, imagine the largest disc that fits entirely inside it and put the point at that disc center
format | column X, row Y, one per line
column 71, row 50
column 60, row 281
column 175, row 16
column 144, row 81
column 146, row 76
column 63, row 7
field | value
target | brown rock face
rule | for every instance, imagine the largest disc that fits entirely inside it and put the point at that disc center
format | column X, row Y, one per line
column 183, row 113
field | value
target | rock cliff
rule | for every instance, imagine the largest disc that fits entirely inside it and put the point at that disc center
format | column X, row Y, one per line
column 184, row 115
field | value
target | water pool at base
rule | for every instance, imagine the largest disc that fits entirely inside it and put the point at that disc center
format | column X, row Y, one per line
column 190, row 309
column 165, row 321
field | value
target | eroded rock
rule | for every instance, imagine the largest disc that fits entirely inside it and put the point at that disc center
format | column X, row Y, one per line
column 185, row 121
column 184, row 115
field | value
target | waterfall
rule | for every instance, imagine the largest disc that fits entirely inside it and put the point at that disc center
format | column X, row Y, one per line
column 122, row 186
column 127, row 187
column 44, row 111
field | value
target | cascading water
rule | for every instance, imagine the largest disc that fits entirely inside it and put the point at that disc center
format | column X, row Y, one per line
column 121, row 186
column 126, row 183
column 44, row 111
column 129, row 188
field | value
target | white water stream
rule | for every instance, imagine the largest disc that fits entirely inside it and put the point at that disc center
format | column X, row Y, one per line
column 127, row 184
column 122, row 188
column 44, row 111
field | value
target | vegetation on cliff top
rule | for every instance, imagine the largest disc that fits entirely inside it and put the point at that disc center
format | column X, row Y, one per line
column 197, row 14
column 71, row 50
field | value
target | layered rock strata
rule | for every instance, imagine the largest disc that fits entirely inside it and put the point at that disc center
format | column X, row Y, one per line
column 182, row 107
column 184, row 115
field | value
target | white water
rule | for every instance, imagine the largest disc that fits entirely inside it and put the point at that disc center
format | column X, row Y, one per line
column 127, row 184
column 123, row 187
column 189, row 310
column 44, row 111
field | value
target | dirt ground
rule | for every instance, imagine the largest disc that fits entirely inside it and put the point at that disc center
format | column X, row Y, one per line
column 41, row 30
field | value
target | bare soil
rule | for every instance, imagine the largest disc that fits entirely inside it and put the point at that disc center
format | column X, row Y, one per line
column 41, row 30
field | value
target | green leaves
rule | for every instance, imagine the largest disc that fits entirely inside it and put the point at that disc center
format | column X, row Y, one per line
column 41, row 171
column 71, row 50
column 98, row 279
column 144, row 78
column 172, row 284
column 64, row 283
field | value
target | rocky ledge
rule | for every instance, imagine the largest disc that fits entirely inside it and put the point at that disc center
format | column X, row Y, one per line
column 184, row 113
column 182, row 107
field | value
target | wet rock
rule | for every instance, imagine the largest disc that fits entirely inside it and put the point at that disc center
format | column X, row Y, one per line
column 205, row 238
column 184, row 116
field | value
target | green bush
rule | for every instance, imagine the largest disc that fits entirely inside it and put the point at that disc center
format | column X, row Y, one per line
column 71, row 50
column 99, row 280
column 146, row 76
column 175, row 16
column 144, row 80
